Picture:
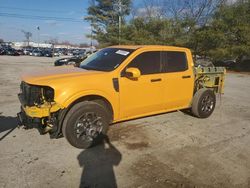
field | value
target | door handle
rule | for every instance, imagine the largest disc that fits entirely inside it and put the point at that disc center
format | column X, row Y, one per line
column 156, row 80
column 187, row 76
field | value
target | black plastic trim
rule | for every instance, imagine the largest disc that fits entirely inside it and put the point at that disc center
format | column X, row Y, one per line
column 116, row 84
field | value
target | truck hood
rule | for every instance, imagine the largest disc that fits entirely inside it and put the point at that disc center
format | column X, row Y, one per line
column 48, row 75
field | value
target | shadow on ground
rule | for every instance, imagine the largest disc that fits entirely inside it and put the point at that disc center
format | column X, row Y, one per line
column 7, row 123
column 98, row 165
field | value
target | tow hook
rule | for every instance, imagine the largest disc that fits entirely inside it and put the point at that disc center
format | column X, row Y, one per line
column 47, row 128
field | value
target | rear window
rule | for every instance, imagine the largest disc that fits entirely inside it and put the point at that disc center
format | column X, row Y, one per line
column 174, row 61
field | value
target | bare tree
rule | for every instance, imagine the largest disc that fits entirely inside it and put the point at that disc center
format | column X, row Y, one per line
column 27, row 35
column 150, row 9
column 199, row 11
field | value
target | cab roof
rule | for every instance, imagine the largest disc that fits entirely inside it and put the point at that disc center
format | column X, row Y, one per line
column 135, row 47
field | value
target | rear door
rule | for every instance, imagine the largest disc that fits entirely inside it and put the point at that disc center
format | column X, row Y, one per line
column 178, row 80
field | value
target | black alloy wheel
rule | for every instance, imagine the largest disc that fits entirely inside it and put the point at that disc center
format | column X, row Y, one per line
column 85, row 124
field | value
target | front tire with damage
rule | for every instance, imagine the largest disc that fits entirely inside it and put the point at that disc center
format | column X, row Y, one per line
column 85, row 124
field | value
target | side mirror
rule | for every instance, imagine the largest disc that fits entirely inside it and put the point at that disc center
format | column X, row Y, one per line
column 132, row 73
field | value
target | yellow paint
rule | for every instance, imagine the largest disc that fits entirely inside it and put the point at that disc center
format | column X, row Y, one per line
column 43, row 111
column 133, row 73
column 136, row 97
column 210, row 74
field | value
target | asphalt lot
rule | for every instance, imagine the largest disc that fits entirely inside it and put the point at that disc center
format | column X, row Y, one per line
column 168, row 150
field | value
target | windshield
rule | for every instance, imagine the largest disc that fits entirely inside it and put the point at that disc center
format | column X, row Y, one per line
column 106, row 59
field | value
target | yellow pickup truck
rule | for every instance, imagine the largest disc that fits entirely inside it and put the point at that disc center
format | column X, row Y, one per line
column 115, row 84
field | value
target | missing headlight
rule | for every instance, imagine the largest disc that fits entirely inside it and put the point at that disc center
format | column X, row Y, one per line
column 30, row 94
column 48, row 94
column 35, row 95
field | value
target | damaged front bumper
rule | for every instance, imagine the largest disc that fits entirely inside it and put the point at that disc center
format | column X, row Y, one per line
column 39, row 111
column 44, row 117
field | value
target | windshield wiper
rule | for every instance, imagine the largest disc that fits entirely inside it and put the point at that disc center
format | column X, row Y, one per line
column 92, row 68
column 87, row 68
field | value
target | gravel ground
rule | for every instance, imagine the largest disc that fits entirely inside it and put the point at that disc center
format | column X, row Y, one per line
column 168, row 150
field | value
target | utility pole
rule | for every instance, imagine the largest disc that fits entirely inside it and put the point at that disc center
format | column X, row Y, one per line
column 27, row 35
column 38, row 34
column 120, row 8
column 120, row 22
column 91, row 36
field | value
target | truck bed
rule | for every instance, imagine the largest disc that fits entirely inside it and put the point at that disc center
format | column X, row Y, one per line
column 210, row 77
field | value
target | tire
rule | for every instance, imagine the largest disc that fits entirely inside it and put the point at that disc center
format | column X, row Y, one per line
column 85, row 124
column 203, row 103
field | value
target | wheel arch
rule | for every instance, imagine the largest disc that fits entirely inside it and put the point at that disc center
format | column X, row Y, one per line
column 98, row 98
column 92, row 97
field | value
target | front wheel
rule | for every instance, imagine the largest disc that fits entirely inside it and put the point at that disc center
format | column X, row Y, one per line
column 204, row 102
column 85, row 124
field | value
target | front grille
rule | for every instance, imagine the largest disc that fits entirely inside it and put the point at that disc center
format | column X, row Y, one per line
column 30, row 94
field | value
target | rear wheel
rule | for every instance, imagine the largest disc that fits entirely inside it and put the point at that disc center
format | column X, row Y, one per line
column 85, row 124
column 203, row 103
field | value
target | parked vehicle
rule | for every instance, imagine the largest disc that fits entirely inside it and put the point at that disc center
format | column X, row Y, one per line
column 229, row 64
column 20, row 52
column 47, row 53
column 2, row 51
column 27, row 51
column 79, row 52
column 11, row 51
column 203, row 63
column 36, row 53
column 75, row 60
column 117, row 84
column 243, row 64
column 56, row 54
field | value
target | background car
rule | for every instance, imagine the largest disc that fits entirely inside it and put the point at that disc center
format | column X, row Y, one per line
column 243, row 64
column 27, row 51
column 20, row 52
column 75, row 60
column 203, row 63
column 2, row 51
column 36, row 53
column 229, row 63
column 12, row 51
column 47, row 53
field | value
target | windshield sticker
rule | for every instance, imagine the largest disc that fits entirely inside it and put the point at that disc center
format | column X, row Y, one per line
column 122, row 52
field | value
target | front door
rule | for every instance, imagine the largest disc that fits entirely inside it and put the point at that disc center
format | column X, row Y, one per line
column 144, row 95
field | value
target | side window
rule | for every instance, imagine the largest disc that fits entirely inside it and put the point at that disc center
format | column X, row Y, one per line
column 147, row 62
column 174, row 61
